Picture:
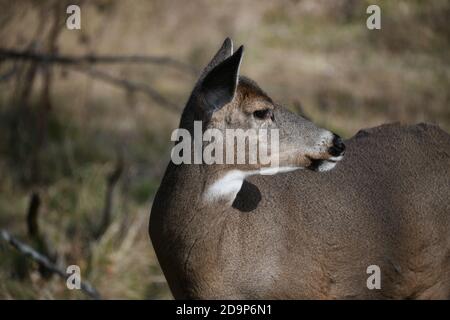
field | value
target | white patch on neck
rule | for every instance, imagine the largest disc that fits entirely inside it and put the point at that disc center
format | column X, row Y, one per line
column 274, row 170
column 228, row 186
column 326, row 166
column 336, row 159
column 225, row 187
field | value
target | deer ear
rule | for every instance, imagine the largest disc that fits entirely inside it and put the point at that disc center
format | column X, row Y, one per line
column 219, row 85
column 225, row 51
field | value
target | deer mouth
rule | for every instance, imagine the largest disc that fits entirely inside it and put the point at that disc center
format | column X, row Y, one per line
column 323, row 165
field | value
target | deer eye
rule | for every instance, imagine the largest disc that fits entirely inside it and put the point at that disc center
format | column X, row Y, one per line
column 264, row 114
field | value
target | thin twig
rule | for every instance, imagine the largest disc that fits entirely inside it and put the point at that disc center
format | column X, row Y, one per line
column 111, row 183
column 81, row 64
column 38, row 240
column 130, row 86
column 45, row 262
column 93, row 59
column 8, row 74
column 32, row 215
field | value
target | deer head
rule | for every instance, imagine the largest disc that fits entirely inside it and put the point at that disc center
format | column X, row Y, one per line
column 224, row 100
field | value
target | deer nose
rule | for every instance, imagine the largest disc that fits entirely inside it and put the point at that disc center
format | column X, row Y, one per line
column 338, row 147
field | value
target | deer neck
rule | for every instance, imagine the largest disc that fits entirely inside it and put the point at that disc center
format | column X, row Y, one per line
column 206, row 186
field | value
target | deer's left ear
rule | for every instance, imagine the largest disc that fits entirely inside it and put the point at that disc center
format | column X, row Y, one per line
column 219, row 85
column 225, row 51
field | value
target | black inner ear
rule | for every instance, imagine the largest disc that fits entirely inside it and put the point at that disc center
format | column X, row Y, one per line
column 219, row 86
column 224, row 52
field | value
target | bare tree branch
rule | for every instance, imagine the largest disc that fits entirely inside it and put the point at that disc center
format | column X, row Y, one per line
column 38, row 240
column 32, row 215
column 81, row 64
column 130, row 86
column 8, row 74
column 93, row 59
column 111, row 182
column 45, row 262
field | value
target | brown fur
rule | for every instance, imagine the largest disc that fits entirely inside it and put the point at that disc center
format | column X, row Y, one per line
column 312, row 235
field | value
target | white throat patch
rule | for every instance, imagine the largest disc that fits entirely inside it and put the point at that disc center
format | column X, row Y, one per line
column 227, row 187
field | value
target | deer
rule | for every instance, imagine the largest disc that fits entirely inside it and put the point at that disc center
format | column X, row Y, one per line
column 311, row 230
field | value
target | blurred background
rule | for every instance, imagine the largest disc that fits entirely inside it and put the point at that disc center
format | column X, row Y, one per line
column 84, row 139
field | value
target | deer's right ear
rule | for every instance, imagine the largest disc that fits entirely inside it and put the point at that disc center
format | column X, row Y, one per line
column 219, row 85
